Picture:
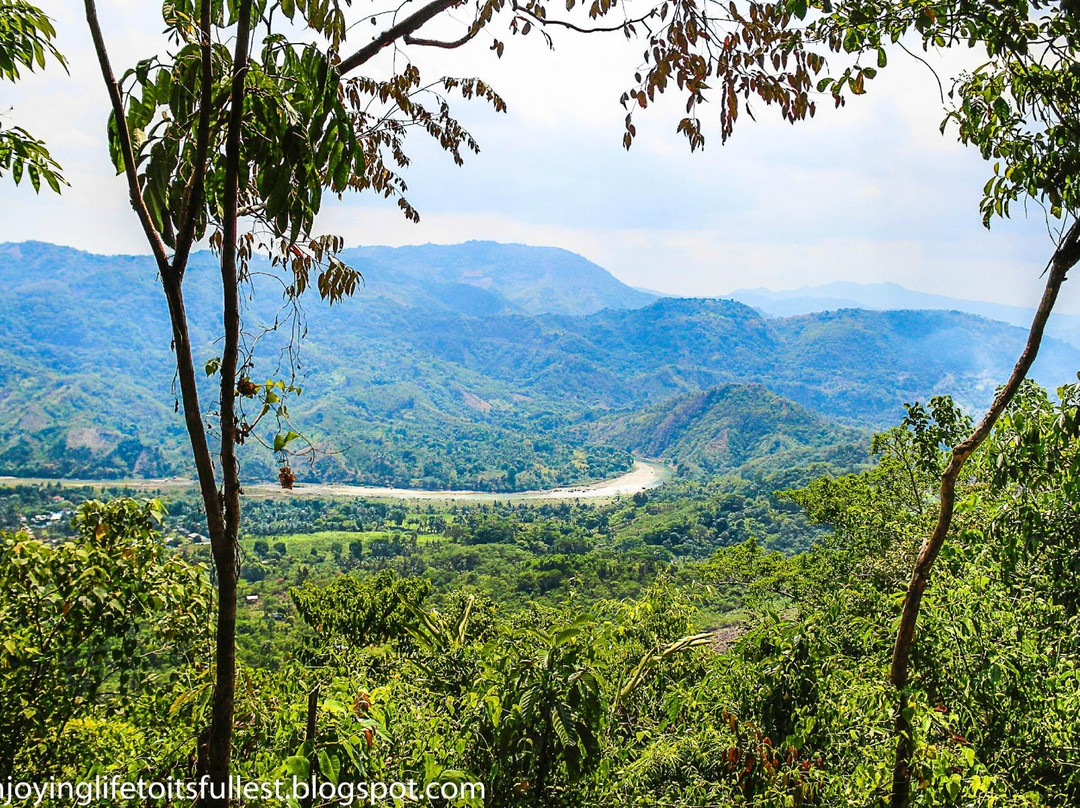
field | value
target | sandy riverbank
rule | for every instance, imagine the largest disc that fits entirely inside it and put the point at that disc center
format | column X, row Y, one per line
column 644, row 475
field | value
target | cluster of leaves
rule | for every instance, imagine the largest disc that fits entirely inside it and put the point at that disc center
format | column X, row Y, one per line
column 89, row 620
column 26, row 42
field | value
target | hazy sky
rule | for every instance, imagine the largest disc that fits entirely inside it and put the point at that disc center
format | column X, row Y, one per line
column 872, row 192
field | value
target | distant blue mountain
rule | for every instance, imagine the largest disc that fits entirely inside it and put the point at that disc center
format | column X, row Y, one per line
column 485, row 277
column 469, row 366
column 884, row 296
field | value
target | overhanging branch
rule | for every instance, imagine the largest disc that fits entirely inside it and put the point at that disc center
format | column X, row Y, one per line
column 601, row 29
column 402, row 29
column 437, row 43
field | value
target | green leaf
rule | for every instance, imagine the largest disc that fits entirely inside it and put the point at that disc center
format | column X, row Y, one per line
column 298, row 767
column 329, row 766
column 283, row 440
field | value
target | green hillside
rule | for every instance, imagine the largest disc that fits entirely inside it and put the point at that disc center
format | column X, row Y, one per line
column 407, row 385
column 722, row 429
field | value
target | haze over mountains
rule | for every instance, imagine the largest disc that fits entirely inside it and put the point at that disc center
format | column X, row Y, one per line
column 882, row 296
column 480, row 365
column 484, row 277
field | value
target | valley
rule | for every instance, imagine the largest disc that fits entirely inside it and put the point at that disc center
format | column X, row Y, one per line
column 448, row 371
column 287, row 523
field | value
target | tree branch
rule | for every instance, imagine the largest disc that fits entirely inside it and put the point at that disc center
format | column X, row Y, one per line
column 223, row 547
column 436, row 43
column 393, row 33
column 157, row 245
column 230, row 278
column 193, row 193
column 544, row 21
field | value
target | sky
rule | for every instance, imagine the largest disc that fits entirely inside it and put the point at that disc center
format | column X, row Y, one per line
column 871, row 192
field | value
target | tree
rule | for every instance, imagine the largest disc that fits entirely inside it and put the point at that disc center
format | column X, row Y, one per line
column 26, row 41
column 355, row 613
column 212, row 142
column 237, row 145
column 109, row 605
column 1019, row 108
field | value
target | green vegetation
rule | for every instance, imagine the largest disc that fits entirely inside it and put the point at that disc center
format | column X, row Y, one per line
column 26, row 41
column 502, row 672
column 565, row 654
column 725, row 429
column 421, row 396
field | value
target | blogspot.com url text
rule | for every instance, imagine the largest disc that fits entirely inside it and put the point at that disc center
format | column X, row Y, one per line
column 110, row 790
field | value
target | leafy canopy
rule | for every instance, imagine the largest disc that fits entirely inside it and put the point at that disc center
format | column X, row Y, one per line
column 305, row 131
column 1018, row 107
column 26, row 42
column 102, row 608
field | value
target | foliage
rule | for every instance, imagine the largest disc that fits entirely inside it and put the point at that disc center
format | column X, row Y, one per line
column 1017, row 107
column 989, row 700
column 26, row 41
column 105, row 611
column 568, row 697
column 360, row 613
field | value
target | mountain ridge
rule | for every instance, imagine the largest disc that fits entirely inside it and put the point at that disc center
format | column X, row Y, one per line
column 418, row 395
column 892, row 296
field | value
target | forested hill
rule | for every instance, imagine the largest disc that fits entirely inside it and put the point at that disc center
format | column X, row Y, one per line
column 411, row 384
column 484, row 277
column 885, row 296
column 724, row 428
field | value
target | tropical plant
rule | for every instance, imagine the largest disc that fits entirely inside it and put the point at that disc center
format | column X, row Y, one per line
column 94, row 618
column 26, row 42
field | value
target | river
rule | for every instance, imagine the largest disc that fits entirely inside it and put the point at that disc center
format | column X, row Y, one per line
column 644, row 475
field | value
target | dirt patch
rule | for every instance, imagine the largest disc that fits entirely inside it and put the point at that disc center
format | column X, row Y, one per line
column 474, row 401
column 89, row 438
column 724, row 638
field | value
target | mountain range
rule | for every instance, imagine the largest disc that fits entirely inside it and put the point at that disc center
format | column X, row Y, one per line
column 480, row 365
column 884, row 296
column 484, row 277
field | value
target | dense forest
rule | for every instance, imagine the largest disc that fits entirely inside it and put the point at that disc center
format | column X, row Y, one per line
column 835, row 598
column 707, row 643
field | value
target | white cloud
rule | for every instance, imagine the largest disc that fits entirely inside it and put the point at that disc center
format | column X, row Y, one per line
column 870, row 192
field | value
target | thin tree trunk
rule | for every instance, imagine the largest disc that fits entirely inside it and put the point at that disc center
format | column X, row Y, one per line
column 225, row 551
column 224, row 563
column 309, row 736
column 221, row 521
column 1064, row 258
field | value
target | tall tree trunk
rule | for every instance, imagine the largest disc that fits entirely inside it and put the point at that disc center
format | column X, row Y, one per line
column 1064, row 258
column 224, row 562
column 225, row 551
